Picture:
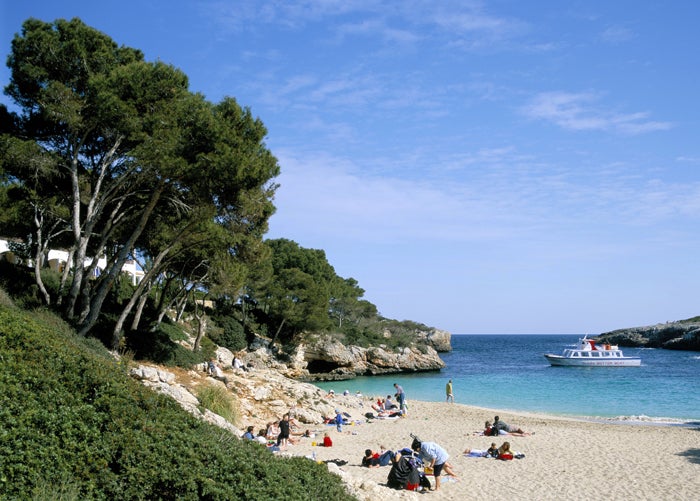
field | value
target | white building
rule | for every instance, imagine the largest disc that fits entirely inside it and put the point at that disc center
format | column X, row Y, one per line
column 57, row 259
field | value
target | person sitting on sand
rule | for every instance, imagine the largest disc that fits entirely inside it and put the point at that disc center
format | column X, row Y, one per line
column 506, row 429
column 327, row 442
column 248, row 435
column 262, row 436
column 388, row 404
column 273, row 430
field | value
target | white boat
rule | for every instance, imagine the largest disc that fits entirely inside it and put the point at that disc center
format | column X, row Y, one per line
column 587, row 354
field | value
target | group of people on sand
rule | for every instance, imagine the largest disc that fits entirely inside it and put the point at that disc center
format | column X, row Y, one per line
column 503, row 452
column 404, row 473
column 499, row 427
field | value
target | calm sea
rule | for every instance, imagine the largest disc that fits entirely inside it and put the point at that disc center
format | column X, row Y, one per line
column 509, row 372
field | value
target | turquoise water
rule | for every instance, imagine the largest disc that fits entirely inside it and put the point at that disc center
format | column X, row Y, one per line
column 509, row 372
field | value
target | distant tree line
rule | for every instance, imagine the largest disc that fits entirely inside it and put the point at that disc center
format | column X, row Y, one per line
column 111, row 156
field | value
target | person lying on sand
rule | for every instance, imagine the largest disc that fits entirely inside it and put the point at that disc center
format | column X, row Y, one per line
column 491, row 452
column 506, row 429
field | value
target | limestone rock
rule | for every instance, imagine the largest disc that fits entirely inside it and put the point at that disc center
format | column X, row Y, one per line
column 328, row 359
column 683, row 335
column 438, row 339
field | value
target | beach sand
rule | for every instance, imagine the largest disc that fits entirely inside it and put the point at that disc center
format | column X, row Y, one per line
column 564, row 458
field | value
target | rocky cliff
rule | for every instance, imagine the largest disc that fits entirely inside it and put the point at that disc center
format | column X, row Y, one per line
column 438, row 339
column 682, row 335
column 325, row 358
column 328, row 359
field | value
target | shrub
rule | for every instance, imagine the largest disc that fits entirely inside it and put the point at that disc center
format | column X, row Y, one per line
column 159, row 347
column 230, row 334
column 74, row 426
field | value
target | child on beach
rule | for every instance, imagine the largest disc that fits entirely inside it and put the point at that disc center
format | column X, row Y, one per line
column 338, row 421
column 327, row 442
column 480, row 453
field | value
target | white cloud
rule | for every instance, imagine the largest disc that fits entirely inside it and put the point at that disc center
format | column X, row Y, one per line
column 330, row 198
column 578, row 111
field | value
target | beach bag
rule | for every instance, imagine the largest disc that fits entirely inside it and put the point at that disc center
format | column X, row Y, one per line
column 399, row 474
column 369, row 415
column 424, row 482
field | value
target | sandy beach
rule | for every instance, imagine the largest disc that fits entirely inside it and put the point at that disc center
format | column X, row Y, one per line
column 564, row 458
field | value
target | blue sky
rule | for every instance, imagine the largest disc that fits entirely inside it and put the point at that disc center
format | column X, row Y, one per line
column 479, row 166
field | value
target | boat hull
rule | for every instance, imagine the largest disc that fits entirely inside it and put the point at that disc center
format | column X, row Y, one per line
column 561, row 361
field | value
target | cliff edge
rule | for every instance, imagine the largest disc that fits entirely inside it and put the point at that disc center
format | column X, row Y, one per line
column 679, row 335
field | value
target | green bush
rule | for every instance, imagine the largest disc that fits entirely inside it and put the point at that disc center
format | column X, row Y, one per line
column 160, row 347
column 74, row 426
column 229, row 334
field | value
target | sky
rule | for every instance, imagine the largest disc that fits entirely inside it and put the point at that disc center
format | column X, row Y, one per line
column 482, row 167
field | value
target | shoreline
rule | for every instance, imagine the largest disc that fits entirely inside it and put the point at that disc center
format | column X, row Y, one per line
column 640, row 420
column 565, row 457
column 632, row 420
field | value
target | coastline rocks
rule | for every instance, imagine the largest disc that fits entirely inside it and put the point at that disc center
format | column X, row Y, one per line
column 328, row 359
column 671, row 335
column 438, row 339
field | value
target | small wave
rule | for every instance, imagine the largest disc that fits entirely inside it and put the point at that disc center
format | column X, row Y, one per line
column 643, row 419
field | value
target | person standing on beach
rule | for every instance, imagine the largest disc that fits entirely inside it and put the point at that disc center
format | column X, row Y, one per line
column 338, row 421
column 401, row 397
column 283, row 437
column 448, row 392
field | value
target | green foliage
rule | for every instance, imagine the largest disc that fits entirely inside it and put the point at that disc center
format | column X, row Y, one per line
column 159, row 347
column 174, row 332
column 52, row 281
column 79, row 428
column 5, row 299
column 229, row 333
column 18, row 283
column 168, row 176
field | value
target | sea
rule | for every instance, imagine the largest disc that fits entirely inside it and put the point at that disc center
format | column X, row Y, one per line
column 509, row 373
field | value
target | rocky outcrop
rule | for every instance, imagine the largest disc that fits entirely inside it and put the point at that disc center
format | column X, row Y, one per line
column 683, row 335
column 327, row 359
column 438, row 339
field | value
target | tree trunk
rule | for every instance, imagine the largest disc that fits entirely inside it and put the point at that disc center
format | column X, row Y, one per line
column 104, row 287
column 39, row 256
column 201, row 326
column 279, row 329
column 139, row 311
column 155, row 269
